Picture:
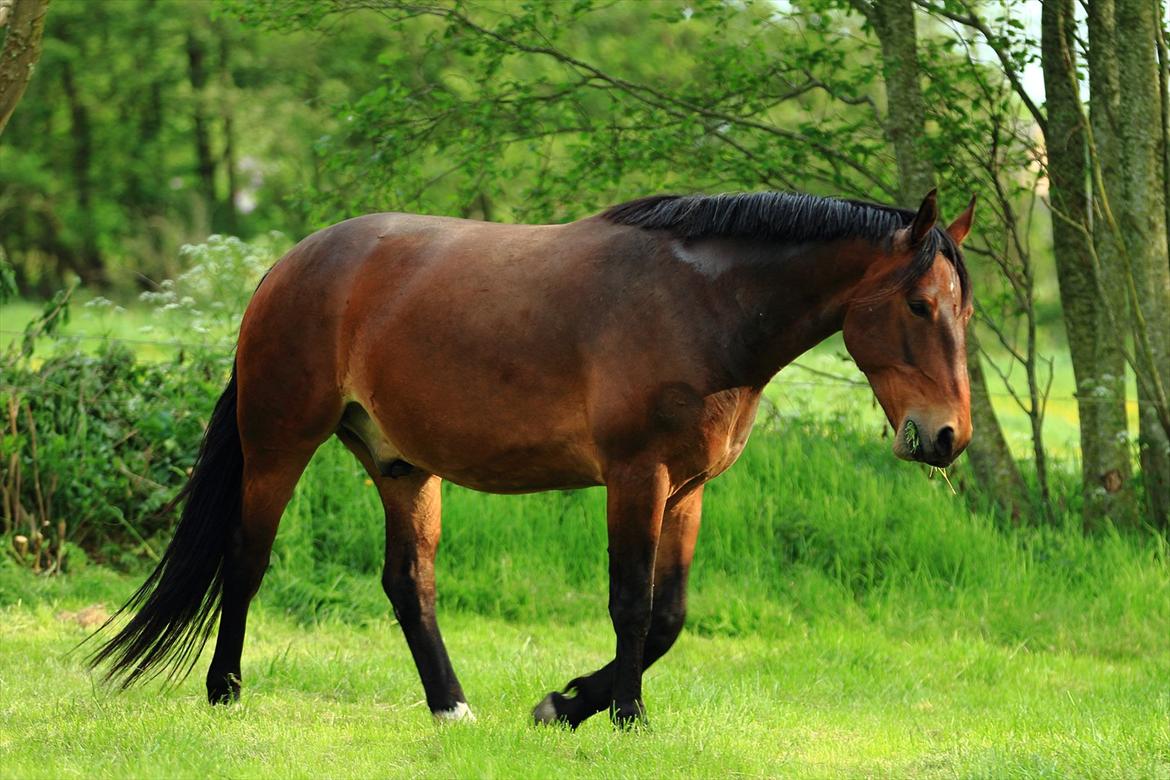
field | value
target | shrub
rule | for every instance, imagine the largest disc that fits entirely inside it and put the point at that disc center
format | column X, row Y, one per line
column 99, row 444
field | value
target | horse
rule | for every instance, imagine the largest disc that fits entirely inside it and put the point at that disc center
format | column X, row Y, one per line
column 628, row 349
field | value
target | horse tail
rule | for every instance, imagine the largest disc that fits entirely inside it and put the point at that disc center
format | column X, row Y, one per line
column 178, row 604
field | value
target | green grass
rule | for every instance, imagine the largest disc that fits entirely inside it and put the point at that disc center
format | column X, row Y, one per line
column 150, row 335
column 847, row 618
column 850, row 696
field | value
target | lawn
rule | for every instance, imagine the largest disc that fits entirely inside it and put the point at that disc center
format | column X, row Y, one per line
column 848, row 617
column 848, row 695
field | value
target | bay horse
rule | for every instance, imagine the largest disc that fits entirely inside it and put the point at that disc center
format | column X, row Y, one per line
column 628, row 349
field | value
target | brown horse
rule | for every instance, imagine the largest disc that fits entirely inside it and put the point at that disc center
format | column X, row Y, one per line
column 628, row 350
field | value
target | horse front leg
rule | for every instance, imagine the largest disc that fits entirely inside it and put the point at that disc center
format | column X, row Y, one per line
column 592, row 693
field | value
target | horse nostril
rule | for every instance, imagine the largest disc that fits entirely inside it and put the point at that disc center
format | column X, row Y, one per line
column 945, row 441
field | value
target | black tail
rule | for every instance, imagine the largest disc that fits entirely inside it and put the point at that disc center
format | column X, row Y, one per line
column 178, row 604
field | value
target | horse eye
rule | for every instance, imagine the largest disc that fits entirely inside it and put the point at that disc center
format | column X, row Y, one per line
column 920, row 308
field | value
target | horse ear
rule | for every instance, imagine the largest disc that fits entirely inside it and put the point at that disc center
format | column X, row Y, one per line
column 925, row 218
column 962, row 224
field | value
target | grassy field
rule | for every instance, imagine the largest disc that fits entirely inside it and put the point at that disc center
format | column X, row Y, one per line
column 845, row 697
column 848, row 618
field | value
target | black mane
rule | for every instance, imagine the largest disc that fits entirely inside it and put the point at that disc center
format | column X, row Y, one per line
column 787, row 216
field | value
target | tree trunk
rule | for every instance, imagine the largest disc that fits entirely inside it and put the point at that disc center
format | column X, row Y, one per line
column 1141, row 216
column 22, row 49
column 1164, row 91
column 1098, row 363
column 204, row 162
column 85, row 260
column 893, row 21
column 231, row 220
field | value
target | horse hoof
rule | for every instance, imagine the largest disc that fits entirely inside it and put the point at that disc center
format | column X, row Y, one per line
column 545, row 713
column 224, row 691
column 628, row 715
column 460, row 713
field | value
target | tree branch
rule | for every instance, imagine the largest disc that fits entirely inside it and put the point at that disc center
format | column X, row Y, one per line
column 641, row 92
column 972, row 20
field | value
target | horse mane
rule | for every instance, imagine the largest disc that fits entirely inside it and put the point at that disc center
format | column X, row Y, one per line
column 787, row 216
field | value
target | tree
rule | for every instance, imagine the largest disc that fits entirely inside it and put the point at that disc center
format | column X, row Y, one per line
column 100, row 169
column 201, row 132
column 1141, row 217
column 1098, row 362
column 25, row 22
column 1126, row 226
column 893, row 22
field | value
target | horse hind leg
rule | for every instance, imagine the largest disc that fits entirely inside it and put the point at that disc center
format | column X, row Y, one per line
column 412, row 502
column 270, row 475
column 278, row 436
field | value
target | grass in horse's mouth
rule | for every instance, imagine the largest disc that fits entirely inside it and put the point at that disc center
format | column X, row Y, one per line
column 914, row 442
column 910, row 437
column 932, row 470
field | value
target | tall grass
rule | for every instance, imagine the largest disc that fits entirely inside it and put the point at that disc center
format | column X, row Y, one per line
column 815, row 523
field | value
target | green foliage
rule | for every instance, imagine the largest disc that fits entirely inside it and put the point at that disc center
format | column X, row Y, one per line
column 52, row 318
column 257, row 119
column 207, row 300
column 8, row 288
column 101, row 443
column 100, row 168
column 555, row 109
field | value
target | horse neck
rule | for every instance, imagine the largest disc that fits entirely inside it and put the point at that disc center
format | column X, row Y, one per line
column 782, row 300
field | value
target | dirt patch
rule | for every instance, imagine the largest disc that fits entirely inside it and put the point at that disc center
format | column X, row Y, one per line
column 87, row 617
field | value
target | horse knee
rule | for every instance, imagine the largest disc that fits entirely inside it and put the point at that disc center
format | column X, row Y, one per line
column 631, row 613
column 667, row 625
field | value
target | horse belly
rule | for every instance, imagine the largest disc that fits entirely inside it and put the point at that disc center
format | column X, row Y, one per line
column 482, row 424
column 497, row 460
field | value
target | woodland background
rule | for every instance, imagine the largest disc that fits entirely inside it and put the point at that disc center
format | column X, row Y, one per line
column 165, row 153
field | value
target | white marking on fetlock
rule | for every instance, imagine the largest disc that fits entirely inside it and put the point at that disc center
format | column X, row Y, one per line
column 545, row 712
column 460, row 712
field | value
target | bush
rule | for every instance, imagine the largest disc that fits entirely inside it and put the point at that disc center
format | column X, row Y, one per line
column 100, row 444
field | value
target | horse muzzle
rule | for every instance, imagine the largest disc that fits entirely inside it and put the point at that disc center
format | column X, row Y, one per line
column 915, row 442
